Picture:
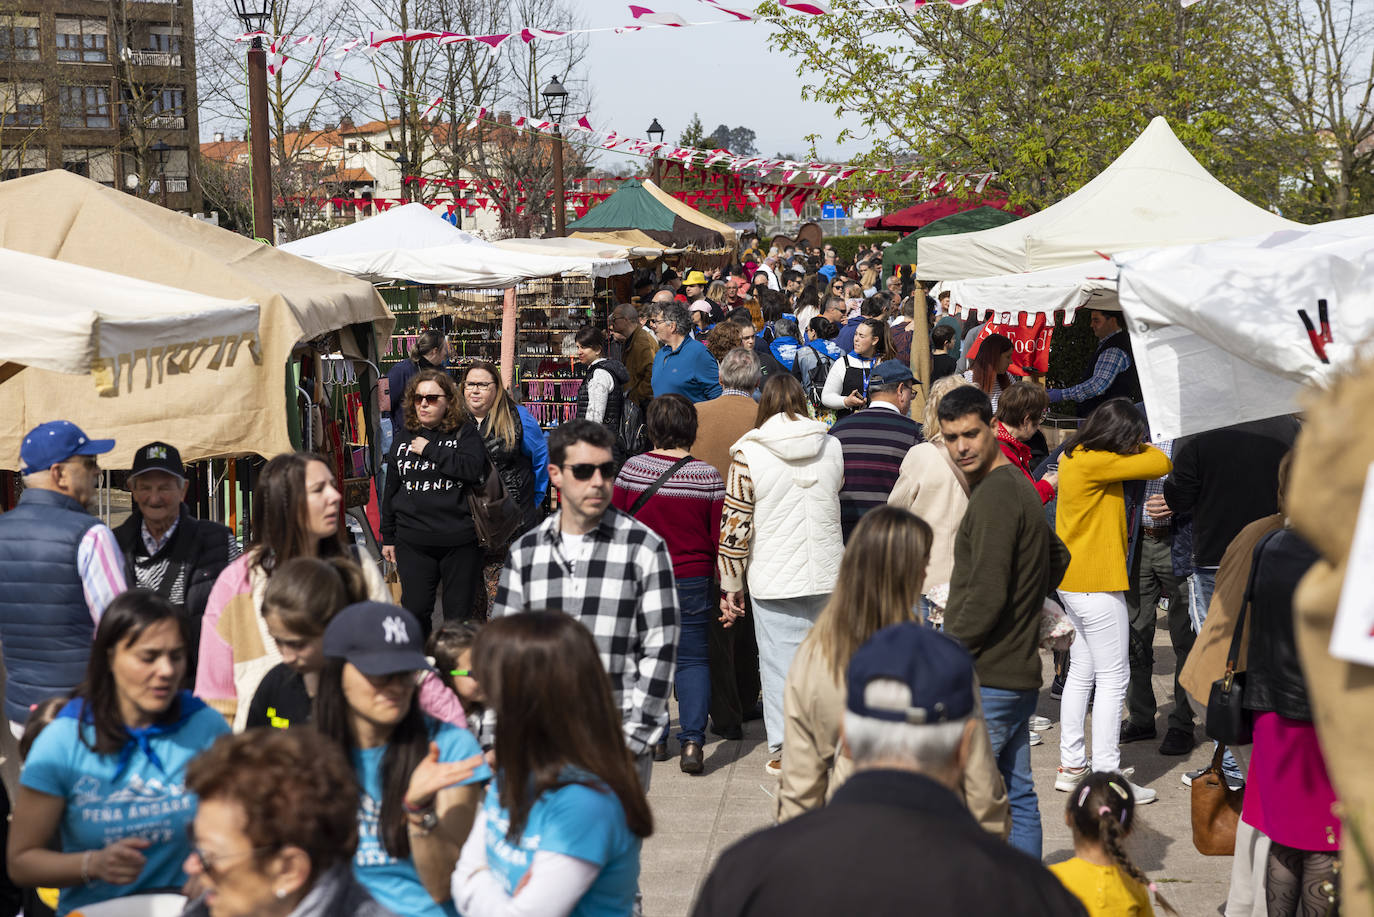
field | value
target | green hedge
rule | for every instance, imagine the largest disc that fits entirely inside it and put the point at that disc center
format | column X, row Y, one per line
column 846, row 246
column 1071, row 351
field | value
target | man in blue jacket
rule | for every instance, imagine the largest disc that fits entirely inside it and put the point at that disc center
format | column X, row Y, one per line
column 684, row 366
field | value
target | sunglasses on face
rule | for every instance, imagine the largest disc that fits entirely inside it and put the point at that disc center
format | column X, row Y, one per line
column 427, row 399
column 584, row 471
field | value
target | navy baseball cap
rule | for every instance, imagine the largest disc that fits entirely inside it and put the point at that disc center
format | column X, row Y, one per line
column 379, row 639
column 158, row 457
column 890, row 372
column 937, row 669
column 54, row 442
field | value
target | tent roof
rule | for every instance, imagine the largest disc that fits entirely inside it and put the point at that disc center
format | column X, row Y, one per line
column 643, row 206
column 413, row 243
column 926, row 212
column 1155, row 193
column 581, row 247
column 235, row 409
column 72, row 319
column 904, row 250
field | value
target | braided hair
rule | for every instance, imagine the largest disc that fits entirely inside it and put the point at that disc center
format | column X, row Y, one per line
column 1102, row 808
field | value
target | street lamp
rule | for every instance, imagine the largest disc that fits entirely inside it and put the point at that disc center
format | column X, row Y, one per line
column 403, row 163
column 255, row 14
column 655, row 133
column 556, row 102
column 161, row 149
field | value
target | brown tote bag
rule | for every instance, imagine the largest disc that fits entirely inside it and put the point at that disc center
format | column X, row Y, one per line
column 1216, row 811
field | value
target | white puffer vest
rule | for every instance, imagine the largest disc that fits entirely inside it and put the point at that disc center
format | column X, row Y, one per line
column 797, row 469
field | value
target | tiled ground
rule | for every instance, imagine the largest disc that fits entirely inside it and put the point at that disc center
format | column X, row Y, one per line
column 697, row 818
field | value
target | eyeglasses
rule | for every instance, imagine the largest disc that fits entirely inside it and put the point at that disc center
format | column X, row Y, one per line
column 211, row 865
column 427, row 399
column 461, row 673
column 478, row 386
column 584, row 471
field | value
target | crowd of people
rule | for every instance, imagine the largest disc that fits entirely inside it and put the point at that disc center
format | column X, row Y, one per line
column 755, row 516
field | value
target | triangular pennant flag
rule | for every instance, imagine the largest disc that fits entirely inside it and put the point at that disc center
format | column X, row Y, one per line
column 648, row 15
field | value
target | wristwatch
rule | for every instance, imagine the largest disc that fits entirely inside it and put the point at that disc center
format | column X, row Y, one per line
column 428, row 820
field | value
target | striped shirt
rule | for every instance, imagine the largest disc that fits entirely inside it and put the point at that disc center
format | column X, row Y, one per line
column 101, row 568
column 684, row 511
column 874, row 440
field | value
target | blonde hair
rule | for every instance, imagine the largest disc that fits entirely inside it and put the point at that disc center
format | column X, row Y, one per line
column 940, row 389
column 503, row 419
column 867, row 596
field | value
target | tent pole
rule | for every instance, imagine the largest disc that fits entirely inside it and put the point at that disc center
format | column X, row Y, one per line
column 508, row 313
column 920, row 353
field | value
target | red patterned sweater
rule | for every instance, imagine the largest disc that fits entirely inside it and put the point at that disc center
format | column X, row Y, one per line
column 685, row 511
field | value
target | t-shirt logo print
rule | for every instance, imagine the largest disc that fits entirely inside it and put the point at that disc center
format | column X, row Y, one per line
column 394, row 630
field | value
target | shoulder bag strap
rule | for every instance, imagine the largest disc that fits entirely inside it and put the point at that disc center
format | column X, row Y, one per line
column 1233, row 656
column 659, row 482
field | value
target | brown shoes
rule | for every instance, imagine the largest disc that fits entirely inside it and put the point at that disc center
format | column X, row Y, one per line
column 692, row 761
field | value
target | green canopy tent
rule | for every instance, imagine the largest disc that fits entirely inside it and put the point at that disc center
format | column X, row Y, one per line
column 903, row 252
column 640, row 213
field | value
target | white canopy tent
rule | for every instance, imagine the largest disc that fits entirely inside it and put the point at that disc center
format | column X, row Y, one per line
column 1075, row 286
column 1155, row 193
column 68, row 318
column 1216, row 331
column 413, row 243
column 586, row 248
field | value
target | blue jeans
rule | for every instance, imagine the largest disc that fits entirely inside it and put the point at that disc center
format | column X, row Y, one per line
column 1201, row 585
column 1008, row 714
column 693, row 677
column 781, row 626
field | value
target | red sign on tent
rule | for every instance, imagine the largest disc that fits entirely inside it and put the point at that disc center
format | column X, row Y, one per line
column 1030, row 340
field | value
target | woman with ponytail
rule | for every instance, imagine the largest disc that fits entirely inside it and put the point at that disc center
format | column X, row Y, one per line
column 1101, row 814
column 430, row 351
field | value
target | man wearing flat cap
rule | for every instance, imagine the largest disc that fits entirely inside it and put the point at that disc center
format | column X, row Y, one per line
column 165, row 548
column 895, row 839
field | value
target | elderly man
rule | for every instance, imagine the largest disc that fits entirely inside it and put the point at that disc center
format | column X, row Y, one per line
column 683, row 365
column 59, row 566
column 165, row 548
column 734, row 652
column 875, row 440
column 637, row 351
column 908, row 726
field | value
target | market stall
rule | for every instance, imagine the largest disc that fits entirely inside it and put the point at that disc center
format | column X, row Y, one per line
column 642, row 214
column 903, row 252
column 918, row 216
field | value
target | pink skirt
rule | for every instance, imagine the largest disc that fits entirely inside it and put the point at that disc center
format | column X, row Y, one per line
column 1288, row 795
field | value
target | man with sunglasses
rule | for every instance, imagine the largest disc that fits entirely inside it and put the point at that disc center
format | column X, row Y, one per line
column 608, row 571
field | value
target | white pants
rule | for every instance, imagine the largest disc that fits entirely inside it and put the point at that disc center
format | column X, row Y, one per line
column 1098, row 658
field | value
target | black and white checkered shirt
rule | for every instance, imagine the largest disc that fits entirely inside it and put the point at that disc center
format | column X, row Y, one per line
column 623, row 593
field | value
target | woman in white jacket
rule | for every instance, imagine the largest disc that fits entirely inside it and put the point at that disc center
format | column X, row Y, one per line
column 781, row 532
column 846, row 388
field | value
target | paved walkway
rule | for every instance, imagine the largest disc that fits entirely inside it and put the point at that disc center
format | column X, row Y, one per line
column 697, row 818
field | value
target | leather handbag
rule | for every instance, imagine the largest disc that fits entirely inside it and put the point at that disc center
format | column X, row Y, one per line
column 495, row 514
column 1216, row 811
column 1227, row 719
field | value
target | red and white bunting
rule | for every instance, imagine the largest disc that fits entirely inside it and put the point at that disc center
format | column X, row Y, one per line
column 645, row 14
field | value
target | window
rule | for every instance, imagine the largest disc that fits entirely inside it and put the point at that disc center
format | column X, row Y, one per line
column 390, row 145
column 82, row 40
column 86, row 106
column 352, row 146
column 15, row 163
column 165, row 38
column 170, row 100
column 94, row 163
column 18, row 36
column 21, row 104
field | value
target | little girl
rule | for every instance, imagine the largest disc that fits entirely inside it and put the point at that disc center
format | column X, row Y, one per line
column 1101, row 813
column 451, row 649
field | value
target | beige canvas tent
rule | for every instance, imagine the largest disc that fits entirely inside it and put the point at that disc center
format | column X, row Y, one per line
column 206, row 413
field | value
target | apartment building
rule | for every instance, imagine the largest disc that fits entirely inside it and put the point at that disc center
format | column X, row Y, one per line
column 97, row 87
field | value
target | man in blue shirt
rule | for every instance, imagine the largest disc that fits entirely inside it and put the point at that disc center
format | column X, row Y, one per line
column 684, row 366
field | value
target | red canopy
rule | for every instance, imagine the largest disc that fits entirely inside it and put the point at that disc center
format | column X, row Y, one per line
column 918, row 215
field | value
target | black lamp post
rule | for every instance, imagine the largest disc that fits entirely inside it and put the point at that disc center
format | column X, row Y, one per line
column 161, row 149
column 556, row 102
column 403, row 164
column 255, row 14
column 655, row 133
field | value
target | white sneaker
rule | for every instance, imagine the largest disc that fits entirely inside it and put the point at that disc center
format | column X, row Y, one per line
column 1068, row 778
column 1143, row 794
column 1035, row 738
column 774, row 766
column 1040, row 723
column 1190, row 776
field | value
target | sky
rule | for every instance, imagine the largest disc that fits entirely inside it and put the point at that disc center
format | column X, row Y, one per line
column 725, row 73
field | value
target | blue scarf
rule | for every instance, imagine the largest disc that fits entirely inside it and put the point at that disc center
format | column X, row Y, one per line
column 188, row 705
column 785, row 351
column 829, row 348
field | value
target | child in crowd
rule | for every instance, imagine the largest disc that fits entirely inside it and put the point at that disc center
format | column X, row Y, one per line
column 451, row 649
column 1101, row 813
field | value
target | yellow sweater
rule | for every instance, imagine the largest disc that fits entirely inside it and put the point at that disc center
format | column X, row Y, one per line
column 1105, row 891
column 1091, row 514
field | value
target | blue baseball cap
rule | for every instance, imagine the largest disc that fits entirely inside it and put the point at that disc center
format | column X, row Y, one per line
column 377, row 638
column 937, row 669
column 54, row 442
column 890, row 372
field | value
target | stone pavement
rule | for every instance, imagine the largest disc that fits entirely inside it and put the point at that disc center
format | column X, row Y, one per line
column 697, row 818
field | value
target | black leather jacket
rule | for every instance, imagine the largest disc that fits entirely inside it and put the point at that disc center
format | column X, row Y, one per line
column 1274, row 681
column 514, row 466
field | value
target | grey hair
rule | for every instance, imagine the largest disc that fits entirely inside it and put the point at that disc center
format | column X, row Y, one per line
column 786, row 328
column 739, row 370
column 677, row 313
column 931, row 747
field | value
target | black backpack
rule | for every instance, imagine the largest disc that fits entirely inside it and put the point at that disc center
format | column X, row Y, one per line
column 816, row 384
column 632, row 438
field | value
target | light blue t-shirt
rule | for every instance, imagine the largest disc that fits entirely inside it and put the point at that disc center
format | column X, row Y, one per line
column 395, row 883
column 586, row 822
column 105, row 804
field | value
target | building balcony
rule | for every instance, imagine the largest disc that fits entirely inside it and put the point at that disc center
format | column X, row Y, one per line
column 167, row 122
column 174, row 186
column 153, row 58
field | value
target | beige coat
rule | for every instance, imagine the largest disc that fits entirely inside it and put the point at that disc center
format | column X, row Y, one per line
column 813, row 766
column 929, row 486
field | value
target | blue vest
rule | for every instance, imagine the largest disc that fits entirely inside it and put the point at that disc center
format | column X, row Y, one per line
column 45, row 626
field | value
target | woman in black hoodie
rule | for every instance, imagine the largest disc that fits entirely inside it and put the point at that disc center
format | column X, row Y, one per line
column 426, row 528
